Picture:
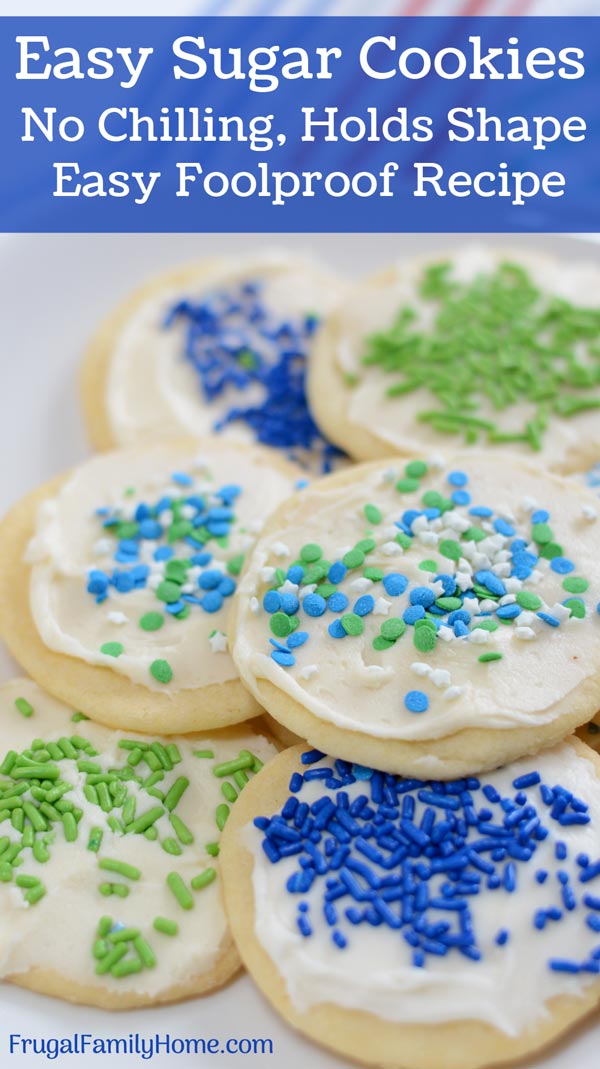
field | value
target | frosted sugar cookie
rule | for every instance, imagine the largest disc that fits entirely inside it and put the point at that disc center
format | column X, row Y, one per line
column 427, row 618
column 498, row 350
column 116, row 581
column 220, row 345
column 110, row 887
column 420, row 925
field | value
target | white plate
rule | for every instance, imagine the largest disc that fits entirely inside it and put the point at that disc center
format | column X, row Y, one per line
column 55, row 290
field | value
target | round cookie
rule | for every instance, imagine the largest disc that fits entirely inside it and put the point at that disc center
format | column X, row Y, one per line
column 496, row 347
column 110, row 880
column 415, row 925
column 434, row 619
column 218, row 345
column 116, row 581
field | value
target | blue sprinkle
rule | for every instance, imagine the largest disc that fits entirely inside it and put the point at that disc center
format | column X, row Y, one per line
column 460, row 497
column 422, row 595
column 227, row 586
column 491, row 581
column 458, row 478
column 413, row 613
column 289, row 604
column 562, row 565
column 314, row 605
column 481, row 510
column 212, row 601
column 165, row 553
column 548, row 619
column 502, row 937
column 416, row 701
column 337, row 602
column 337, row 572
column 182, row 479
column 560, row 851
column 364, row 605
column 541, row 516
column 529, row 779
column 504, row 528
column 97, row 582
column 508, row 612
column 298, row 638
column 394, row 584
column 336, row 630
column 210, row 579
column 295, row 573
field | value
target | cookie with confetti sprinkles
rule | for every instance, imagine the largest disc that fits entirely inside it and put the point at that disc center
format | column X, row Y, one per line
column 116, row 581
column 110, row 878
column 429, row 618
column 413, row 924
column 218, row 346
column 492, row 347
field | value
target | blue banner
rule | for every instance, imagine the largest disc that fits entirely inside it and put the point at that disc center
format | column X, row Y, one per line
column 299, row 124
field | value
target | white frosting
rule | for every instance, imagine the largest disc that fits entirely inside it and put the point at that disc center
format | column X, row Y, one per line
column 394, row 421
column 524, row 688
column 69, row 541
column 59, row 931
column 508, row 988
column 152, row 389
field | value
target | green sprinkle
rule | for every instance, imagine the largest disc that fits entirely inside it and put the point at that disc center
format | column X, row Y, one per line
column 70, row 827
column 171, row 846
column 27, row 881
column 407, row 486
column 487, row 625
column 229, row 792
column 354, row 558
column 373, row 514
column 180, row 891
column 428, row 566
column 120, row 867
column 551, row 550
column 221, row 815
column 280, row 624
column 173, row 753
column 448, row 604
column 36, row 772
column 145, row 951
column 23, row 707
column 474, row 534
column 575, row 584
column 162, row 671
column 576, row 607
column 40, row 852
column 528, row 601
column 424, row 639
column 352, row 623
column 112, row 649
column 392, row 629
column 165, row 926
column 119, row 889
column 375, row 574
column 168, row 591
column 176, row 792
column 240, row 779
column 151, row 834
column 104, row 926
column 78, row 717
column 34, row 894
column 181, row 830
column 212, row 849
column 541, row 533
column 110, row 960
column 100, row 949
column 209, row 754
column 485, row 658
column 311, row 552
column 6, row 872
column 366, row 545
column 151, row 621
column 146, row 820
column 450, row 549
column 126, row 967
column 203, row 880
column 235, row 565
column 227, row 768
column 416, row 469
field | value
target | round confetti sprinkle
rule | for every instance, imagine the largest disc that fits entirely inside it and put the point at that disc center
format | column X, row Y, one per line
column 280, row 625
column 297, row 639
column 380, row 643
column 271, row 601
column 375, row 574
column 162, row 671
column 458, row 478
column 352, row 624
column 450, row 549
column 373, row 514
column 416, row 701
column 407, row 486
column 422, row 595
column 112, row 649
column 169, row 591
column 392, row 629
column 353, row 558
column 311, row 552
column 337, row 602
column 529, row 601
column 424, row 639
column 416, row 469
column 541, row 533
column 562, row 565
column 575, row 584
column 151, row 621
column 428, row 566
column 364, row 605
column 395, row 584
column 286, row 660
column 314, row 605
column 576, row 607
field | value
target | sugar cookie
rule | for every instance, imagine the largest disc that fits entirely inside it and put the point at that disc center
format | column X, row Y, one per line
column 428, row 618
column 417, row 925
column 109, row 872
column 116, row 581
column 220, row 345
column 497, row 347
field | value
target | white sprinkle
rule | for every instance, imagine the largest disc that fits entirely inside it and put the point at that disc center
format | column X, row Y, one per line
column 381, row 607
column 388, row 533
column 446, row 633
column 463, row 581
column 360, row 585
column 256, row 525
column 288, row 587
column 525, row 633
column 309, row 671
column 280, row 549
column 420, row 668
column 188, row 588
column 508, row 599
column 456, row 522
column 589, row 513
column 536, row 576
column 527, row 619
column 436, row 462
column 480, row 636
column 561, row 612
column 436, row 586
column 428, row 538
column 200, row 463
column 441, row 678
column 529, row 504
column 267, row 574
column 391, row 549
column 513, row 585
column 188, row 512
column 103, row 547
column 117, row 618
column 254, row 606
column 487, row 605
column 218, row 642
column 154, row 581
column 452, row 693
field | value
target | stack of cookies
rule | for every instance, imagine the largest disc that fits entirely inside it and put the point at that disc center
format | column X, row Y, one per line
column 345, row 524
